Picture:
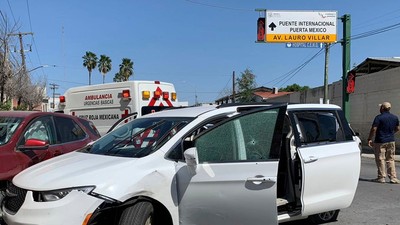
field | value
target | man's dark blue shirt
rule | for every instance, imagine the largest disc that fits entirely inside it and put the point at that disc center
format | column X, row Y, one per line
column 386, row 124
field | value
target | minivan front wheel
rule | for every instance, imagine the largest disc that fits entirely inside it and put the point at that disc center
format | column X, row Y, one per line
column 2, row 195
column 139, row 214
column 324, row 217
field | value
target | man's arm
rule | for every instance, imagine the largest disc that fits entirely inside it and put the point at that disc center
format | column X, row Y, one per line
column 372, row 134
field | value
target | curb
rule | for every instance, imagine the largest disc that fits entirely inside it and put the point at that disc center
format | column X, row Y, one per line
column 372, row 156
column 368, row 152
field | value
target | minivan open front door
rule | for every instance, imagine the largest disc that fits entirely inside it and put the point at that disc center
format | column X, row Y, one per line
column 330, row 161
column 234, row 178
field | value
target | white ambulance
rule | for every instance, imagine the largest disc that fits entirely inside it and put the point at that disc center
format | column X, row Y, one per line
column 106, row 104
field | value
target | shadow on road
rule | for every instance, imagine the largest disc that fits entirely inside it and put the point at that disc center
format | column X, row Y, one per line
column 303, row 222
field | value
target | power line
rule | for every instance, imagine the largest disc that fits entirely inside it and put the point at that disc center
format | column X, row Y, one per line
column 296, row 70
column 219, row 7
column 376, row 20
column 29, row 14
column 12, row 13
column 220, row 94
column 375, row 32
column 20, row 34
column 289, row 75
column 33, row 38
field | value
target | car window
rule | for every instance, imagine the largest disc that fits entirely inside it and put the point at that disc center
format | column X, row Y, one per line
column 176, row 153
column 318, row 127
column 8, row 125
column 90, row 126
column 138, row 138
column 41, row 128
column 68, row 129
column 246, row 138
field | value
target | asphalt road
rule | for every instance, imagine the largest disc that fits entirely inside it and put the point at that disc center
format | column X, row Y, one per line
column 374, row 203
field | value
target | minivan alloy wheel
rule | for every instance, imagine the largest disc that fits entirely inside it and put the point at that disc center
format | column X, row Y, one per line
column 140, row 213
column 324, row 217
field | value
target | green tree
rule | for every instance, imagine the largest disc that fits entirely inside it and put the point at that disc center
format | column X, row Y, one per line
column 117, row 77
column 90, row 62
column 5, row 106
column 246, row 83
column 294, row 88
column 125, row 70
column 104, row 65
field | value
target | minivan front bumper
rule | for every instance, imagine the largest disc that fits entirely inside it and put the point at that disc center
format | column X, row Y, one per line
column 70, row 210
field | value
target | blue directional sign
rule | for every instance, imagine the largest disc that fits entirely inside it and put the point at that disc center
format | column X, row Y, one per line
column 304, row 45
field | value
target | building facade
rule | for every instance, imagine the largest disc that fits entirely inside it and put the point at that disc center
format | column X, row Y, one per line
column 377, row 80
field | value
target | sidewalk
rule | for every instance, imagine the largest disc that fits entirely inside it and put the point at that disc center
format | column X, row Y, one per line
column 368, row 152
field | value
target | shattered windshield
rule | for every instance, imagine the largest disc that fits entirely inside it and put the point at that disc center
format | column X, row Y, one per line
column 138, row 138
column 8, row 125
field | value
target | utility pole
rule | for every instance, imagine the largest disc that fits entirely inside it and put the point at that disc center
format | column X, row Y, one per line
column 346, row 63
column 22, row 58
column 53, row 87
column 233, row 87
column 4, row 70
column 21, row 47
column 327, row 46
column 195, row 96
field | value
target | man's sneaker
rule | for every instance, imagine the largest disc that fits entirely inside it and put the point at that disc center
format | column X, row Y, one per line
column 379, row 180
column 394, row 181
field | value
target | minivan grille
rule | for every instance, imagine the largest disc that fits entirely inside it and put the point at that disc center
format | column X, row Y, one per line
column 14, row 199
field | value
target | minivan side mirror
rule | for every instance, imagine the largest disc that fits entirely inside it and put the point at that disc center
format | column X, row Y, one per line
column 34, row 144
column 191, row 159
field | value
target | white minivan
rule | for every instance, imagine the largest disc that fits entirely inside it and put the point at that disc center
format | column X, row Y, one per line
column 221, row 165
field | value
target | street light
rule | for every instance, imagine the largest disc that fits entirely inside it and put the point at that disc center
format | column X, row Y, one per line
column 41, row 66
column 38, row 67
column 25, row 73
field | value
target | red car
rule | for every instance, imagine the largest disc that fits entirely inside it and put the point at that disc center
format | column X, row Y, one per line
column 27, row 138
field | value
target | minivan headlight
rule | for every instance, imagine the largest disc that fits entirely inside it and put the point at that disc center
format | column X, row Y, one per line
column 54, row 195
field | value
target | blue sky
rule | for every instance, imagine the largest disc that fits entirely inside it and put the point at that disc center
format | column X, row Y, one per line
column 194, row 44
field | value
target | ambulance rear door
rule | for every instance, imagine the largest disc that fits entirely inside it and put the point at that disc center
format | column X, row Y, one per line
column 155, row 96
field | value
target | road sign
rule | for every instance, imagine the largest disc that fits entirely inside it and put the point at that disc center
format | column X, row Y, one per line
column 304, row 45
column 301, row 26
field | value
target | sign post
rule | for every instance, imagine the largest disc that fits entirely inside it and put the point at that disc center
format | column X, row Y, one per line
column 302, row 29
column 301, row 26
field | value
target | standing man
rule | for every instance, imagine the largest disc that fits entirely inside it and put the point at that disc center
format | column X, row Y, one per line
column 383, row 128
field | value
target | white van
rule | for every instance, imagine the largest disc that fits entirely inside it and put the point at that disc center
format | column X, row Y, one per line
column 105, row 104
column 224, row 165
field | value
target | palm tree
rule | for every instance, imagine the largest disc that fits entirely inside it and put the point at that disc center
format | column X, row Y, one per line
column 104, row 65
column 126, row 69
column 90, row 62
column 117, row 77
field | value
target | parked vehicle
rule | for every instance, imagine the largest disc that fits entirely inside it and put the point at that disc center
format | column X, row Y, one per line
column 105, row 104
column 230, row 164
column 27, row 138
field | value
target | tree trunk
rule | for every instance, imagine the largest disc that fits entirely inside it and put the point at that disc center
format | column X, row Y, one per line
column 90, row 77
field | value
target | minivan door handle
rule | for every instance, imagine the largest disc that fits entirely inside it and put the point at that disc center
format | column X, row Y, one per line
column 310, row 159
column 260, row 179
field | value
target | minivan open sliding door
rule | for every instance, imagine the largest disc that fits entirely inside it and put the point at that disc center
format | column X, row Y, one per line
column 330, row 160
column 234, row 180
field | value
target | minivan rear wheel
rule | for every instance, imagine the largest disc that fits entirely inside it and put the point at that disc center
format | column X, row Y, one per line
column 139, row 214
column 324, row 217
column 2, row 195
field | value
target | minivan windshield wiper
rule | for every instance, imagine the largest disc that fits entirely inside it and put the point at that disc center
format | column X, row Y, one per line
column 127, row 143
